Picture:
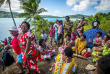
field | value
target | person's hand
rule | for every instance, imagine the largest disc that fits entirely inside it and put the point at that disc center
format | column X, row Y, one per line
column 6, row 47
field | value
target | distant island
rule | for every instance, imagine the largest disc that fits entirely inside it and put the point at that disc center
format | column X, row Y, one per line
column 4, row 14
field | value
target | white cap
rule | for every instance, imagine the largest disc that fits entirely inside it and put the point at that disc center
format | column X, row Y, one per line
column 13, row 28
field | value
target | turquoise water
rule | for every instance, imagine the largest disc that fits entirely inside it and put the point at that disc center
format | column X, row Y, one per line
column 6, row 23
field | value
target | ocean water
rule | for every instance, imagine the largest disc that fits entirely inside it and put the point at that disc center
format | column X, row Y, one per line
column 6, row 23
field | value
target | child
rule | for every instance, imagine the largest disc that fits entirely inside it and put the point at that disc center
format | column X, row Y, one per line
column 97, row 52
column 80, row 44
column 65, row 64
column 46, row 53
column 104, row 42
column 52, row 34
column 67, row 43
column 97, row 39
column 73, row 36
column 44, row 36
column 59, row 33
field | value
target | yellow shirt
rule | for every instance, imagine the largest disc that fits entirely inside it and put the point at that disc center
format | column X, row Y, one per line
column 66, row 68
column 80, row 44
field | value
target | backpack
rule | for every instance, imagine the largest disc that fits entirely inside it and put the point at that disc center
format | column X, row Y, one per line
column 7, row 59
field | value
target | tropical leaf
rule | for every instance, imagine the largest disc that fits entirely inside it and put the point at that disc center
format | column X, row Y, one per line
column 2, row 2
column 24, row 15
column 38, row 1
column 41, row 10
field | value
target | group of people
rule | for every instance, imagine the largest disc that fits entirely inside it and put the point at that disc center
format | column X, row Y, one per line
column 69, row 40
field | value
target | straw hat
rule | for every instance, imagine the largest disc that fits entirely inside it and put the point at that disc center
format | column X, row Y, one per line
column 13, row 28
column 90, row 67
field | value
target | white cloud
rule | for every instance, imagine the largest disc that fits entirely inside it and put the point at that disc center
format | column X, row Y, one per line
column 81, row 5
column 15, row 6
column 103, row 6
column 56, row 11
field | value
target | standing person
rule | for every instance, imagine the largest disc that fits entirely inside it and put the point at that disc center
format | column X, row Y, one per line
column 16, row 47
column 62, row 31
column 67, row 25
column 29, row 52
column 80, row 27
column 59, row 33
column 96, row 23
column 52, row 34
column 56, row 29
column 44, row 36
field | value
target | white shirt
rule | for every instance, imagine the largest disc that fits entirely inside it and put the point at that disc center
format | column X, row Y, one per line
column 55, row 26
column 43, row 36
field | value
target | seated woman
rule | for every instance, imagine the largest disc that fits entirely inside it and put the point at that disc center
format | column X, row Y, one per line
column 46, row 53
column 104, row 42
column 67, row 43
column 80, row 45
column 97, row 52
column 106, row 48
column 97, row 39
column 65, row 63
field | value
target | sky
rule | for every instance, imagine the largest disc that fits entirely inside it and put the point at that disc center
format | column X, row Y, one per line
column 66, row 7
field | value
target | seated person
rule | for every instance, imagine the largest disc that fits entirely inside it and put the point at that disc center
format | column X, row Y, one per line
column 46, row 53
column 96, row 23
column 97, row 39
column 103, row 66
column 106, row 48
column 104, row 42
column 65, row 64
column 97, row 52
column 80, row 45
column 67, row 43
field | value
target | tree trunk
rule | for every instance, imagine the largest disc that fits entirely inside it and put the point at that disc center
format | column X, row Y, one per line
column 12, row 14
column 35, row 29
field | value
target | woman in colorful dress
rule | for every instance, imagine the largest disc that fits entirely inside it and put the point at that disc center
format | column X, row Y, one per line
column 106, row 48
column 97, row 39
column 46, row 53
column 97, row 52
column 80, row 27
column 67, row 25
column 30, row 54
column 65, row 63
column 80, row 45
column 104, row 42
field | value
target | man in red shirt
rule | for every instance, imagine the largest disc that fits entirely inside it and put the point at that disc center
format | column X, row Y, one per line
column 16, row 47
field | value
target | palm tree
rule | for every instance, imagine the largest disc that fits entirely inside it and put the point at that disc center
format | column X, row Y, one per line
column 9, row 3
column 31, row 10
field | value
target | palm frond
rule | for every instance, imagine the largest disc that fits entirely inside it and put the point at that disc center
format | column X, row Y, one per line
column 23, row 15
column 38, row 1
column 41, row 10
column 1, row 2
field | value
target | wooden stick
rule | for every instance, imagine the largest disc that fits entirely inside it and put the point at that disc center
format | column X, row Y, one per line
column 79, row 56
